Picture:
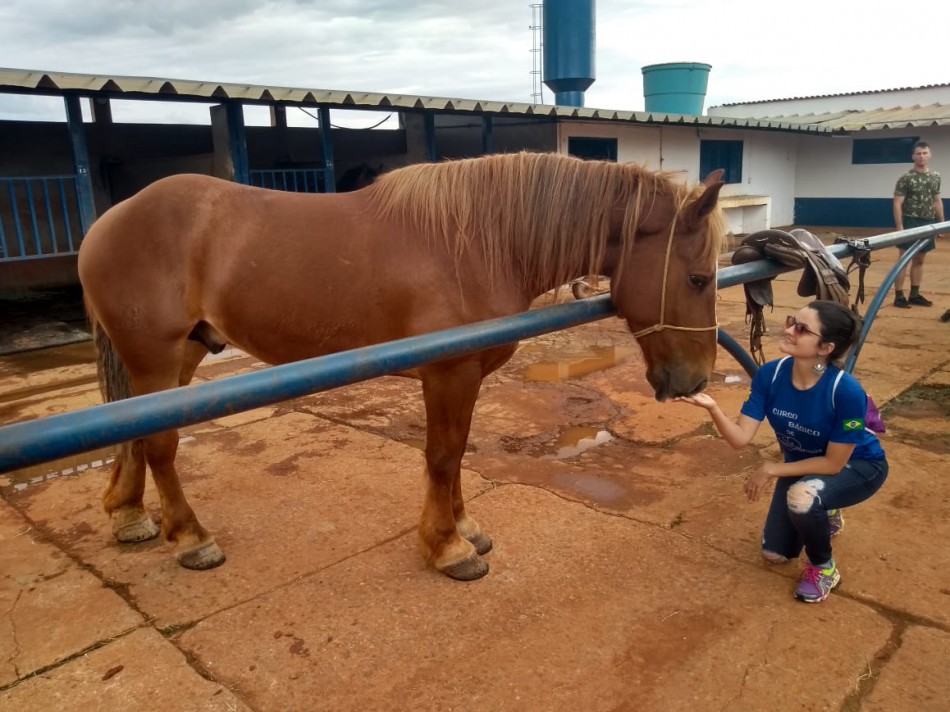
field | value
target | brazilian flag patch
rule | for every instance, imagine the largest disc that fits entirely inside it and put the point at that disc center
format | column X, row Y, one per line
column 854, row 424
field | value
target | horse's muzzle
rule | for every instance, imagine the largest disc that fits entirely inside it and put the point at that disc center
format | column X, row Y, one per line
column 666, row 385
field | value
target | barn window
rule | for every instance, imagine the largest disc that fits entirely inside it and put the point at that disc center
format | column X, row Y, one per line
column 883, row 150
column 594, row 149
column 721, row 154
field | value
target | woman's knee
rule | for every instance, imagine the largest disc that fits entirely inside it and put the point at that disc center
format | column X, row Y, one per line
column 803, row 494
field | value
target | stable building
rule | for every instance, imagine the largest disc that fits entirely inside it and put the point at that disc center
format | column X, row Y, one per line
column 787, row 162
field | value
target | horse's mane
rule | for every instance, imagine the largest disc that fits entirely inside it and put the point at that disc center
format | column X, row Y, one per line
column 547, row 212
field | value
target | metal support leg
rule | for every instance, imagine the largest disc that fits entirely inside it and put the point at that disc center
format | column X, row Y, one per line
column 879, row 298
column 737, row 352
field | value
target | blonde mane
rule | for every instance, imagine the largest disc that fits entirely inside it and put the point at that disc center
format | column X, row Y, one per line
column 546, row 213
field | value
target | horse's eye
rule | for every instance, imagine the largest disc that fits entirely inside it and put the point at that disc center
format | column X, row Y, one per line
column 698, row 281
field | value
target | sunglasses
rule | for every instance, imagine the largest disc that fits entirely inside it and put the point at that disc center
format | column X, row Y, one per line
column 793, row 323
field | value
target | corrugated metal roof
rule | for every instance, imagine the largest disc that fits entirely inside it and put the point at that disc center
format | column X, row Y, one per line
column 829, row 96
column 874, row 119
column 25, row 81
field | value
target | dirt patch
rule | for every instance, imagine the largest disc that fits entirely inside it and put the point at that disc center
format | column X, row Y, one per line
column 916, row 416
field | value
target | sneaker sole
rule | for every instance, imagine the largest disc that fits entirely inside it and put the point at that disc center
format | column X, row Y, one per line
column 818, row 600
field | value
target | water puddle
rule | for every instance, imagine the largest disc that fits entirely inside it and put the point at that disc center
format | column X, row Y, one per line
column 577, row 364
column 575, row 440
column 24, row 362
column 730, row 377
column 590, row 486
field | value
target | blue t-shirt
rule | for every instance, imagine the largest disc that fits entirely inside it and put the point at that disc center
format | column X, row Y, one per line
column 806, row 421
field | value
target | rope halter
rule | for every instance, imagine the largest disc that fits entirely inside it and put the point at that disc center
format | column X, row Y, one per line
column 661, row 324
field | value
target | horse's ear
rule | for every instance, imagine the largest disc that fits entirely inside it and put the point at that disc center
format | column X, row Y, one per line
column 700, row 208
column 714, row 178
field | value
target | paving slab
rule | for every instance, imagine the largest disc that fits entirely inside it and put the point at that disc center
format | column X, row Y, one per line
column 284, row 496
column 580, row 611
column 886, row 552
column 626, row 572
column 52, row 609
column 137, row 671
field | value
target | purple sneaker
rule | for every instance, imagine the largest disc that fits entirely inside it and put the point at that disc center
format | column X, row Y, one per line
column 816, row 584
column 835, row 521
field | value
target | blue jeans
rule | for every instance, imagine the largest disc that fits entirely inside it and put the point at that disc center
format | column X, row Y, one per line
column 798, row 515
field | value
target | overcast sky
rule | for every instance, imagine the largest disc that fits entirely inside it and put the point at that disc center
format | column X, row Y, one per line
column 758, row 49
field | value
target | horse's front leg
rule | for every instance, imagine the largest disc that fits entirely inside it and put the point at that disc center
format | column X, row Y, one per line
column 451, row 540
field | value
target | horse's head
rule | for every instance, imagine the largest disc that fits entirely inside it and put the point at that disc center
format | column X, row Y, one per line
column 358, row 177
column 664, row 284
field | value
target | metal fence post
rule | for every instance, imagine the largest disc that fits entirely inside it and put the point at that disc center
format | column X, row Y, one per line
column 326, row 138
column 77, row 136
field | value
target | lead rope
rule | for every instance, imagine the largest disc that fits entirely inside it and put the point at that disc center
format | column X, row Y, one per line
column 661, row 325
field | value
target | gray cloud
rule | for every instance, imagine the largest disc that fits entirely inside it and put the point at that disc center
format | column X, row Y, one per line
column 759, row 50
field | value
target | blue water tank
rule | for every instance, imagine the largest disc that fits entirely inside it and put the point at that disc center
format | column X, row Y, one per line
column 675, row 87
column 568, row 49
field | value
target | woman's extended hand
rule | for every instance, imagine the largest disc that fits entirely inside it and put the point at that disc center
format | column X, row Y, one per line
column 755, row 485
column 699, row 399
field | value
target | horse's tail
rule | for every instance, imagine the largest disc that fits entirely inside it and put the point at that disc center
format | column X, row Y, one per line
column 114, row 382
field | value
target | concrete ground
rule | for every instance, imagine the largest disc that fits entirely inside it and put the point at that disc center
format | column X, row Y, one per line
column 625, row 574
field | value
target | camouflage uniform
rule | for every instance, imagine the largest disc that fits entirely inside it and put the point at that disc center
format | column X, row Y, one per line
column 919, row 191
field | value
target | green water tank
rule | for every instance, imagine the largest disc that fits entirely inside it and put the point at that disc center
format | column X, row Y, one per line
column 675, row 87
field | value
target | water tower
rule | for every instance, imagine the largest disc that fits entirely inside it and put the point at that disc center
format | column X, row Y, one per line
column 568, row 31
column 675, row 87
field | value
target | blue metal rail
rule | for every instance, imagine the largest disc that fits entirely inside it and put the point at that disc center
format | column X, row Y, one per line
column 39, row 217
column 29, row 443
column 294, row 180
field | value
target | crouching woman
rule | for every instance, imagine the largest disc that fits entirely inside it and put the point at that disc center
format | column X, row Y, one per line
column 831, row 461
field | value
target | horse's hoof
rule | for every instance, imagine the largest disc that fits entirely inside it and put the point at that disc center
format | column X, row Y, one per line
column 481, row 542
column 581, row 290
column 133, row 532
column 468, row 569
column 205, row 556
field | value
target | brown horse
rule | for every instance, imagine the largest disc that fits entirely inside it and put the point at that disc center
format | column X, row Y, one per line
column 192, row 263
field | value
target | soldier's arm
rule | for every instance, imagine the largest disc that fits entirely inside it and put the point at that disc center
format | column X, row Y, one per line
column 899, row 212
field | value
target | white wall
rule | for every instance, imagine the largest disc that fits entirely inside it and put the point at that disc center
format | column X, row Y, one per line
column 825, row 169
column 768, row 168
column 768, row 158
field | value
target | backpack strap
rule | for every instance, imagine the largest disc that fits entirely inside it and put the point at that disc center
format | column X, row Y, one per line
column 778, row 367
column 834, row 388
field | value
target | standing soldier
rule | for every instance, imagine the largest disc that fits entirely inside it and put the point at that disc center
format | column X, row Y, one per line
column 917, row 202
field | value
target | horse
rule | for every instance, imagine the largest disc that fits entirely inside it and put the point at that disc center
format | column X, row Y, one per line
column 192, row 263
column 357, row 177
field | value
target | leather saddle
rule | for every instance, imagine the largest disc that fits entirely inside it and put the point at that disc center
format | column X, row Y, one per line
column 823, row 276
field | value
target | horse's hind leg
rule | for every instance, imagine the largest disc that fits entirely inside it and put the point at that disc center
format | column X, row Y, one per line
column 194, row 353
column 445, row 531
column 149, row 370
column 123, row 497
column 196, row 547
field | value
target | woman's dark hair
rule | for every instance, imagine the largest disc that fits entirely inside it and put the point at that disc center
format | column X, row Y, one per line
column 839, row 326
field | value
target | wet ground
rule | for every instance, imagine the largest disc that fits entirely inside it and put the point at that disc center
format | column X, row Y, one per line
column 625, row 573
